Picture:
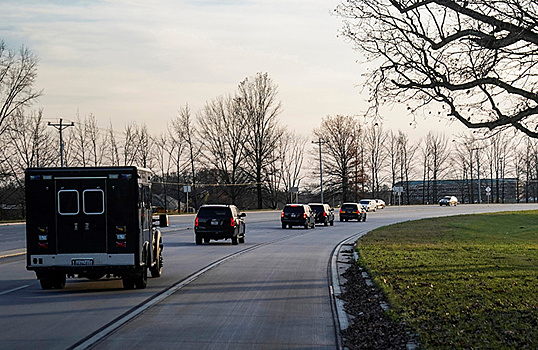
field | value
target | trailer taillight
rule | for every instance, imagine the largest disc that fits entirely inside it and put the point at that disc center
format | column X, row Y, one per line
column 43, row 240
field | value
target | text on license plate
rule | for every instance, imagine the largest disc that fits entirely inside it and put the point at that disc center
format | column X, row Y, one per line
column 82, row 262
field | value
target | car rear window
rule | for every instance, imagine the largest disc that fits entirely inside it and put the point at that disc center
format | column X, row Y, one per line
column 318, row 208
column 364, row 202
column 294, row 209
column 349, row 206
column 214, row 212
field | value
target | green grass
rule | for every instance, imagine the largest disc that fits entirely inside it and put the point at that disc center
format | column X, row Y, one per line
column 461, row 282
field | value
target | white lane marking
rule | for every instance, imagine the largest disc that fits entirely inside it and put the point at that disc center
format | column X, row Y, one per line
column 14, row 289
column 122, row 320
column 11, row 255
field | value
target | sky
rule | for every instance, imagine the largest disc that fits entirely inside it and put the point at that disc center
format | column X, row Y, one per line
column 141, row 60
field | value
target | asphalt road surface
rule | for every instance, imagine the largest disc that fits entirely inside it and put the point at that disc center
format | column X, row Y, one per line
column 270, row 293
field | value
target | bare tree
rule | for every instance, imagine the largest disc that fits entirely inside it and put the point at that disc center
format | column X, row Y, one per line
column 113, row 149
column 257, row 98
column 462, row 158
column 223, row 129
column 185, row 129
column 341, row 134
column 18, row 71
column 28, row 143
column 375, row 138
column 291, row 149
column 475, row 58
column 438, row 153
column 407, row 155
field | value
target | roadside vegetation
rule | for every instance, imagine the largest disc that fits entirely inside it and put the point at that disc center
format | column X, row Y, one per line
column 460, row 282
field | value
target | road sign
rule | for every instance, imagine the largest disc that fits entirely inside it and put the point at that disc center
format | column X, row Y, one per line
column 186, row 188
column 397, row 189
column 488, row 189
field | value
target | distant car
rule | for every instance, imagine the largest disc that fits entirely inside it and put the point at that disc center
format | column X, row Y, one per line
column 448, row 201
column 219, row 221
column 380, row 204
column 298, row 215
column 369, row 204
column 324, row 213
column 352, row 211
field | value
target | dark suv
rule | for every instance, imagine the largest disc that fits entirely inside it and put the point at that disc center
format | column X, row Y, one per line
column 219, row 221
column 324, row 213
column 352, row 211
column 298, row 215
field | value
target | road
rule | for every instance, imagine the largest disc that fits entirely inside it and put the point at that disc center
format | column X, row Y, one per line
column 271, row 292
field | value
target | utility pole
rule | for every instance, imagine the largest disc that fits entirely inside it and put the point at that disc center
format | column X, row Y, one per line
column 319, row 142
column 60, row 127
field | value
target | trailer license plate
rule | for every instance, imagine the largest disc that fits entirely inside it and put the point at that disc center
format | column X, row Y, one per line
column 82, row 262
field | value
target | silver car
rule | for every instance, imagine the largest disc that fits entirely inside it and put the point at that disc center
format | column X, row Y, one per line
column 369, row 204
column 448, row 201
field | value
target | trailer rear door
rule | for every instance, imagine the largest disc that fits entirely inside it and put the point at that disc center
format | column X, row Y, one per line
column 81, row 214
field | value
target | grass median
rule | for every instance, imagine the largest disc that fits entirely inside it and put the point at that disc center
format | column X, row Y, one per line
column 467, row 281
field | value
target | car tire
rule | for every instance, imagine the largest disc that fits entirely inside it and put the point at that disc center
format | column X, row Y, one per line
column 284, row 225
column 198, row 240
column 141, row 282
column 307, row 226
column 241, row 239
column 128, row 283
column 235, row 240
column 332, row 223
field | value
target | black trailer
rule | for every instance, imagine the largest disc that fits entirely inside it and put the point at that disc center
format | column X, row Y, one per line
column 91, row 222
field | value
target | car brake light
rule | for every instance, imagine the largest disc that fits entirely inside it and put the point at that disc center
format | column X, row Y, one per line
column 341, row 211
column 304, row 215
column 324, row 214
column 358, row 211
column 196, row 222
column 282, row 214
column 233, row 222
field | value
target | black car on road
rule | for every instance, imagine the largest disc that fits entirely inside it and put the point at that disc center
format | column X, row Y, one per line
column 219, row 221
column 352, row 211
column 298, row 215
column 324, row 213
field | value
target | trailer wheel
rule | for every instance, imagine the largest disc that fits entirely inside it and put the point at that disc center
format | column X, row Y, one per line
column 52, row 281
column 46, row 283
column 59, row 281
column 142, row 281
column 157, row 270
column 128, row 283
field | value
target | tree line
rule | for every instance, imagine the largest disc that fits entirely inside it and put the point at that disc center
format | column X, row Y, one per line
column 236, row 150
